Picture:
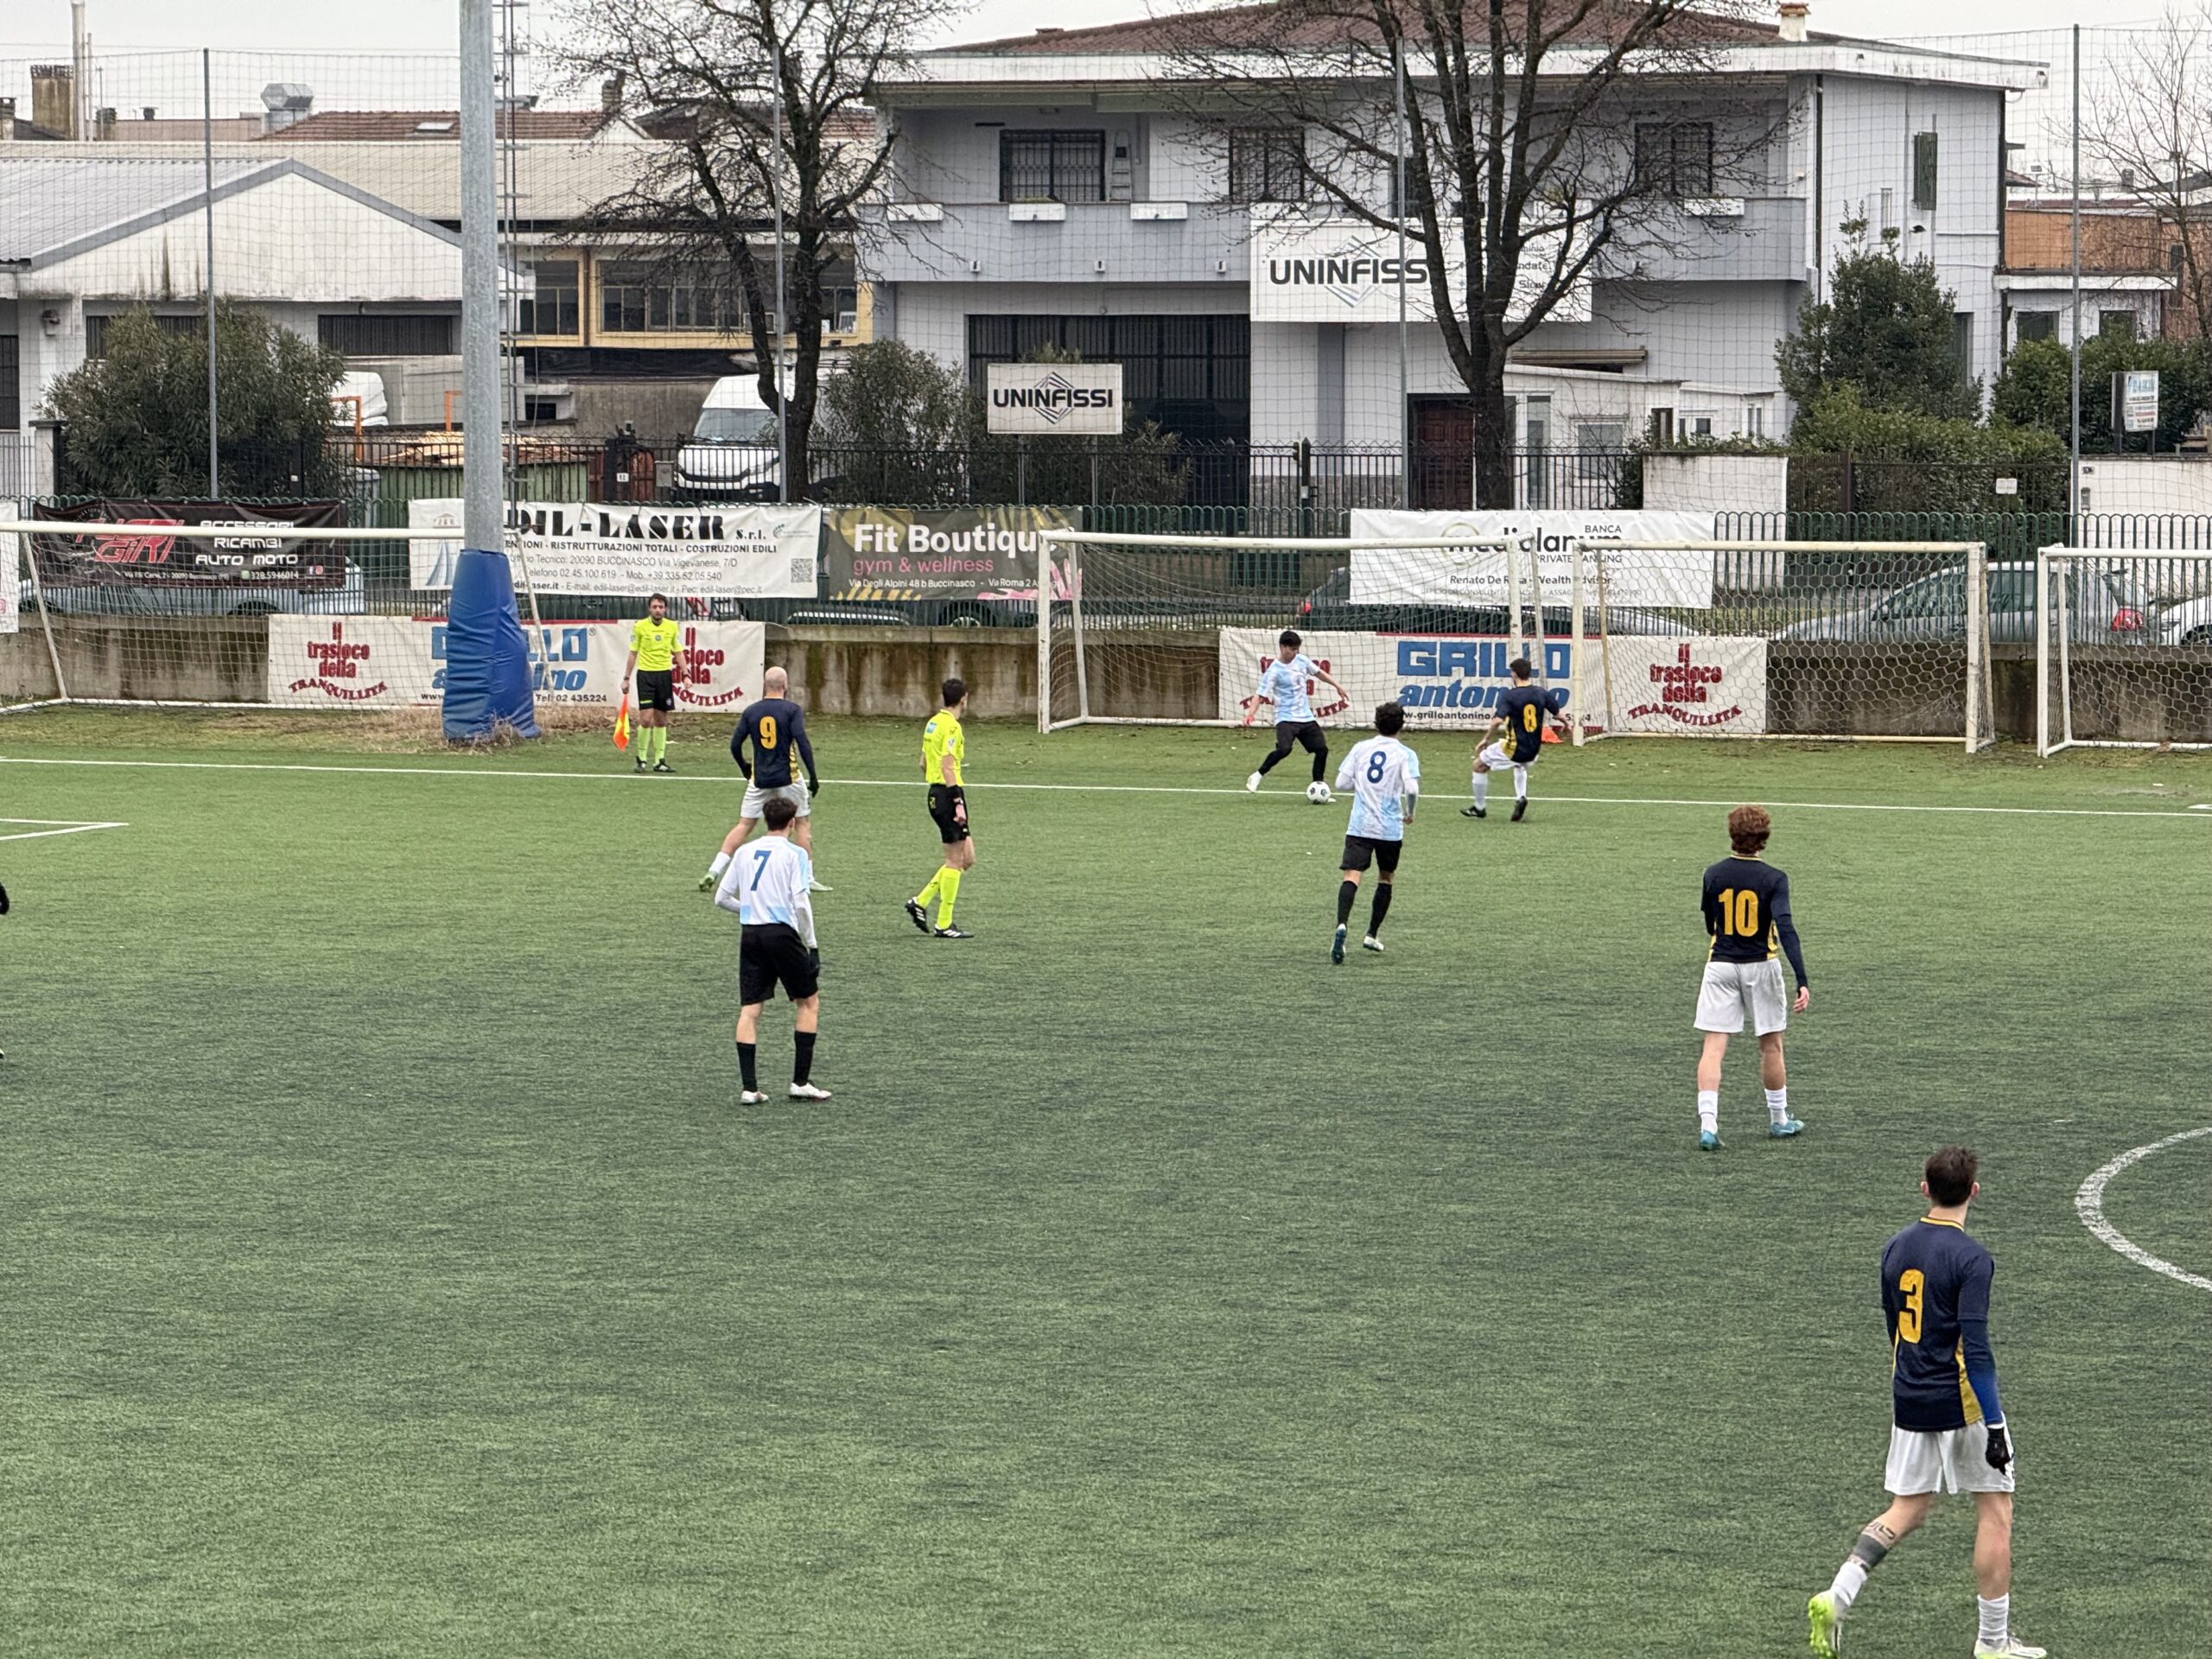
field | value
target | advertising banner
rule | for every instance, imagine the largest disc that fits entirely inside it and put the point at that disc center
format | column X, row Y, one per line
column 1054, row 399
column 1708, row 683
column 258, row 555
column 399, row 661
column 1345, row 270
column 953, row 553
column 1445, row 682
column 582, row 547
column 1431, row 575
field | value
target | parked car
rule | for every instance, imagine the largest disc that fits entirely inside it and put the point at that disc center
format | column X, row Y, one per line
column 733, row 454
column 118, row 599
column 1329, row 606
column 2103, row 608
column 2188, row 623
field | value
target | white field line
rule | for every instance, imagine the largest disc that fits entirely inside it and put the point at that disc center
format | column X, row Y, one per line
column 729, row 781
column 62, row 827
column 2089, row 1204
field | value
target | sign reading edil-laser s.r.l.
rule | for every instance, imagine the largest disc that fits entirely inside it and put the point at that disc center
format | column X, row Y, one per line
column 1055, row 399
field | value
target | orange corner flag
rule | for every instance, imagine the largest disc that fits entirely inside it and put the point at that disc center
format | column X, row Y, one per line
column 622, row 725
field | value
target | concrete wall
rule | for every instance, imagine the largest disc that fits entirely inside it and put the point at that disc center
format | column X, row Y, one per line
column 1717, row 483
column 2145, row 483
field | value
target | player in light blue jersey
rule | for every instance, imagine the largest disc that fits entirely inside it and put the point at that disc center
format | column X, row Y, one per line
column 766, row 886
column 1282, row 684
column 1384, row 777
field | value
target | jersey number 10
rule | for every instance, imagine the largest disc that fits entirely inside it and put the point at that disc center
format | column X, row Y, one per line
column 1739, row 913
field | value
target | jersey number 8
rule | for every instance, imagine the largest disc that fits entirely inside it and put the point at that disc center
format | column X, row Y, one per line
column 1376, row 764
column 1529, row 717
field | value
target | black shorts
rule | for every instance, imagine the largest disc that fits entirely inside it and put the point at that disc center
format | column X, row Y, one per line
column 771, row 954
column 1359, row 848
column 943, row 797
column 657, row 689
column 1306, row 733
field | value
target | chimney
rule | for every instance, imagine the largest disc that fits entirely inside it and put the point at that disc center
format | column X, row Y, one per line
column 53, row 98
column 105, row 126
column 7, row 120
column 282, row 103
column 610, row 94
column 1794, row 14
column 146, row 113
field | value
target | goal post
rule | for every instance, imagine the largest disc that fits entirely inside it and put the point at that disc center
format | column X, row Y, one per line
column 1157, row 630
column 2123, row 649
column 1800, row 640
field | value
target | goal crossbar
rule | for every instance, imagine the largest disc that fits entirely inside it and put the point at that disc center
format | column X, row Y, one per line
column 1274, row 544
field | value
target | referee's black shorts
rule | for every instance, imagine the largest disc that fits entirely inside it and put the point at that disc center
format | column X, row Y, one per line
column 770, row 954
column 657, row 689
column 949, row 827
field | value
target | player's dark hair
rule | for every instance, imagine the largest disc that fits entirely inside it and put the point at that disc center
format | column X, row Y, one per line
column 1522, row 668
column 1289, row 638
column 776, row 812
column 657, row 598
column 1390, row 719
column 954, row 689
column 1950, row 1174
column 1748, row 829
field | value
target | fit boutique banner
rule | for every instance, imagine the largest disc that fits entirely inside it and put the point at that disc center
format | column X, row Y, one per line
column 583, row 547
column 255, row 554
column 1445, row 575
column 399, row 662
column 1444, row 682
column 1707, row 683
column 1345, row 270
column 958, row 553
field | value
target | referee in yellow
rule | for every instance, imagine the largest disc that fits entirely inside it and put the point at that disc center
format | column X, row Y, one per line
column 652, row 660
column 945, row 747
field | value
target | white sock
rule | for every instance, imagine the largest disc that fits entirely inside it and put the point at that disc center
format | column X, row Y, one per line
column 1481, row 788
column 1850, row 1578
column 1996, row 1620
column 1708, row 1111
column 1778, row 1104
column 1520, row 783
column 721, row 863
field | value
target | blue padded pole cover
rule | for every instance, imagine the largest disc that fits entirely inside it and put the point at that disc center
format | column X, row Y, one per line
column 487, row 660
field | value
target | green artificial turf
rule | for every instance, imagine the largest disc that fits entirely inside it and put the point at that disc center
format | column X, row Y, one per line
column 386, row 1266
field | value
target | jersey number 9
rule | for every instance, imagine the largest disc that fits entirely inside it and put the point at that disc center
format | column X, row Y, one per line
column 1910, row 1283
column 767, row 737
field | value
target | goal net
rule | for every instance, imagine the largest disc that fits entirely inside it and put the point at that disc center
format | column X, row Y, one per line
column 1686, row 638
column 1782, row 639
column 2123, row 646
column 284, row 605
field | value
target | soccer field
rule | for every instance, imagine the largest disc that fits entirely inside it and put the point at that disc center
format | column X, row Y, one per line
column 386, row 1266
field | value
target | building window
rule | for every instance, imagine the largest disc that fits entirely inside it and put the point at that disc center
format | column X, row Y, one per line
column 11, row 363
column 556, row 309
column 2116, row 324
column 1755, row 420
column 1963, row 341
column 1674, row 158
column 2034, row 325
column 96, row 328
column 388, row 333
column 1267, row 164
column 1052, row 166
column 1193, row 374
column 1923, row 171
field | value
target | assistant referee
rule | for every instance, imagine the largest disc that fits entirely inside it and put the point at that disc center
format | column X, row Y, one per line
column 652, row 664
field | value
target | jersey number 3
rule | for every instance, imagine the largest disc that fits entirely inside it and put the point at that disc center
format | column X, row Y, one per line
column 1911, row 1284
column 1739, row 913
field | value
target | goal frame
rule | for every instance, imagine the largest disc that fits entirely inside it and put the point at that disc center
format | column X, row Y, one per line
column 1071, row 566
column 1980, row 722
column 2057, row 651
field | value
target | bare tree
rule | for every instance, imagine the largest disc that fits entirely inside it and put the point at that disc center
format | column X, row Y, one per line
column 1545, row 142
column 760, row 106
column 2147, row 126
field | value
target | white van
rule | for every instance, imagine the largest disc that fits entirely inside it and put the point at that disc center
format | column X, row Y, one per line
column 733, row 454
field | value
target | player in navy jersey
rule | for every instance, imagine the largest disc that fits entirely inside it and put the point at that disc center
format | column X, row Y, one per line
column 1746, row 905
column 1948, row 1430
column 1517, row 726
column 774, row 726
column 1282, row 686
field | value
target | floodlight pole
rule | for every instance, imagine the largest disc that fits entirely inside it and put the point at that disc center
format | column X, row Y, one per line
column 1405, row 409
column 480, row 517
column 2074, row 328
column 208, row 212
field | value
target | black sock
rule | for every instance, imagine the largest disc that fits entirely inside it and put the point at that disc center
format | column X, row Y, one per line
column 1381, row 909
column 802, row 1055
column 746, row 1069
column 1345, row 893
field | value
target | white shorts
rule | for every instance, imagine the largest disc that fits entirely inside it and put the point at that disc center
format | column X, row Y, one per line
column 1732, row 990
column 1495, row 756
column 1945, row 1460
column 756, row 797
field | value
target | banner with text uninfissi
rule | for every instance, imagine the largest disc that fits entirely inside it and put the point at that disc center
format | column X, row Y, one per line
column 399, row 662
column 1478, row 575
column 744, row 551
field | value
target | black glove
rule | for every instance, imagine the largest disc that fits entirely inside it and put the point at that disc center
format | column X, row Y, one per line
column 813, row 787
column 2000, row 1448
column 814, row 957
column 745, row 771
column 3, row 902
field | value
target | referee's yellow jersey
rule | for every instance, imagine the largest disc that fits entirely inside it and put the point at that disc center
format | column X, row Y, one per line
column 655, row 644
column 941, row 737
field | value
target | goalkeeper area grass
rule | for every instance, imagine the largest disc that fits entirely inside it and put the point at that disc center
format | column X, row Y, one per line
column 386, row 1266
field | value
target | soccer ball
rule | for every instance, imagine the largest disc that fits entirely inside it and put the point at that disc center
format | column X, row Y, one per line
column 1318, row 794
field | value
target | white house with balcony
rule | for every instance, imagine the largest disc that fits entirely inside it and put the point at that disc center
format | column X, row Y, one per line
column 1055, row 190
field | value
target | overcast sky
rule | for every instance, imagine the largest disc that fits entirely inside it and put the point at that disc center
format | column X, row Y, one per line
column 418, row 24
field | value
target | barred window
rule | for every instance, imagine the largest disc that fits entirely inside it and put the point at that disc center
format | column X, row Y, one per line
column 1052, row 166
column 1674, row 158
column 1267, row 164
